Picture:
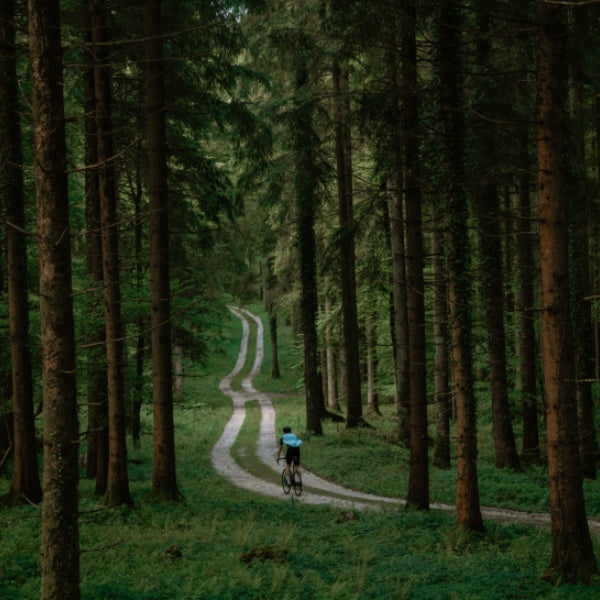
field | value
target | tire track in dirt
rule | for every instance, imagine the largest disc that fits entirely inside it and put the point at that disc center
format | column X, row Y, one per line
column 316, row 489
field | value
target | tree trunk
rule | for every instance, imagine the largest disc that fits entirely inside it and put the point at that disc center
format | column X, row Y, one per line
column 343, row 151
column 275, row 371
column 580, row 217
column 443, row 409
column 418, row 481
column 572, row 557
column 304, row 183
column 526, row 342
column 372, row 362
column 164, row 482
column 333, row 402
column 25, row 486
column 459, row 273
column 117, row 481
column 97, row 393
column 487, row 211
column 178, row 372
column 142, row 320
column 393, row 146
column 269, row 282
column 60, row 531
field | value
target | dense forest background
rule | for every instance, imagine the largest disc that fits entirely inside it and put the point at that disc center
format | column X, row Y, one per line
column 413, row 186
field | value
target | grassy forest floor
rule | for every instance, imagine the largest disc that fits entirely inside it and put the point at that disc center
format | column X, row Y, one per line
column 223, row 542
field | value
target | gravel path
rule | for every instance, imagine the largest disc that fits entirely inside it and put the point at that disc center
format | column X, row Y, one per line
column 316, row 489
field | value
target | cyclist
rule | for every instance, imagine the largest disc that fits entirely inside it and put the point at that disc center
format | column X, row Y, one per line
column 292, row 453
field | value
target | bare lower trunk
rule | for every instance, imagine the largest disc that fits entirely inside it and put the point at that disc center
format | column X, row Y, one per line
column 25, row 486
column 418, row 484
column 117, row 482
column 164, row 482
column 350, row 338
column 443, row 409
column 60, row 530
column 178, row 372
column 572, row 556
column 332, row 384
column 468, row 508
column 305, row 184
column 372, row 361
column 526, row 346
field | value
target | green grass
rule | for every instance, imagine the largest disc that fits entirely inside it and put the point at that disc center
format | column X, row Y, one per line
column 222, row 542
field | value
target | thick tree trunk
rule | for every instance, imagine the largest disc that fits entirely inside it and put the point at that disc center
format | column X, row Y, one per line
column 459, row 274
column 418, row 481
column 572, row 551
column 164, row 481
column 343, row 152
column 60, row 532
column 117, row 481
column 25, row 486
column 304, row 182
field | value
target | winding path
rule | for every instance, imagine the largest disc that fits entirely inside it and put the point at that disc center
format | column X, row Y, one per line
column 316, row 489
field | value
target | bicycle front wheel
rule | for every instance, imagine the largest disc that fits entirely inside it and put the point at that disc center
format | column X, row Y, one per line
column 284, row 484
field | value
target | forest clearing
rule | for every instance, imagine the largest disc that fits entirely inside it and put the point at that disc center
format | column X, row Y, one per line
column 369, row 231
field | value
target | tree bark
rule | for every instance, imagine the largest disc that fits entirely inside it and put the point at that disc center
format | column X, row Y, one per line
column 393, row 148
column 164, row 481
column 343, row 151
column 333, row 402
column 97, row 413
column 60, row 531
column 526, row 342
column 372, row 363
column 580, row 217
column 443, row 408
column 25, row 486
column 178, row 372
column 142, row 320
column 304, row 183
column 572, row 558
column 459, row 275
column 275, row 371
column 487, row 211
column 117, row 481
column 418, row 481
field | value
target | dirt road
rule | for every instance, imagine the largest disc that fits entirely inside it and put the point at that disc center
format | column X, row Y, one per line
column 316, row 489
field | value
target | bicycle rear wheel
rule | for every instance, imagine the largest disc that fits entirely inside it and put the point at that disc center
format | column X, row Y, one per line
column 284, row 484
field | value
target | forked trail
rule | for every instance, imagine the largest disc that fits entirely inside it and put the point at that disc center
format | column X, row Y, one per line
column 316, row 489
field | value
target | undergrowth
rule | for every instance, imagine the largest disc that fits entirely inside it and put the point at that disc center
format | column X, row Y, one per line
column 222, row 542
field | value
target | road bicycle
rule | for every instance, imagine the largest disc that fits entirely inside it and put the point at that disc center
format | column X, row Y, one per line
column 295, row 479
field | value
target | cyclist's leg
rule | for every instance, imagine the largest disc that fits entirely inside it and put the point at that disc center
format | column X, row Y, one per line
column 296, row 459
column 288, row 465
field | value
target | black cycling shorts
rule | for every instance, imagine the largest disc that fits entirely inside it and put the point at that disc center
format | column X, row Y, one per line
column 292, row 455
